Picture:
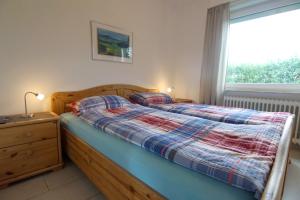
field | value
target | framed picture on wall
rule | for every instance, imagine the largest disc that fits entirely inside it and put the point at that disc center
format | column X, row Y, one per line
column 111, row 43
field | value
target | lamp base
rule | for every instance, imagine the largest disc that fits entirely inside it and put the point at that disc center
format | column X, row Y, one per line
column 28, row 115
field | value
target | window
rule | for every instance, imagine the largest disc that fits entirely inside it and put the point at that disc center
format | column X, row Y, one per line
column 265, row 51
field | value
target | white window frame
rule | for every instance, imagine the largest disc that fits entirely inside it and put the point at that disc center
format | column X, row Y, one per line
column 254, row 9
column 263, row 87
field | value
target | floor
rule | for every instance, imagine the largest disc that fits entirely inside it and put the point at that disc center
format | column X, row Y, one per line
column 292, row 184
column 66, row 184
column 71, row 184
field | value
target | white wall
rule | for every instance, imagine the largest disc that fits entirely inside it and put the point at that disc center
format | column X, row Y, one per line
column 189, row 53
column 191, row 22
column 45, row 46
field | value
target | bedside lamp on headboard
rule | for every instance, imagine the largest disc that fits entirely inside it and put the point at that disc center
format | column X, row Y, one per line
column 170, row 91
column 39, row 96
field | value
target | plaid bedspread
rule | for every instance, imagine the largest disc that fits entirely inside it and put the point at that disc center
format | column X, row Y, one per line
column 240, row 155
column 225, row 114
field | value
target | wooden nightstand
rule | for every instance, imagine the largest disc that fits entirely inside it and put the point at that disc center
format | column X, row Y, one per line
column 29, row 146
column 178, row 100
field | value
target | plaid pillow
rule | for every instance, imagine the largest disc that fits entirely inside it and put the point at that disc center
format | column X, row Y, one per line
column 74, row 107
column 102, row 102
column 146, row 98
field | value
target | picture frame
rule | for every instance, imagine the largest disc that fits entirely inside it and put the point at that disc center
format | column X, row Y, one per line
column 111, row 43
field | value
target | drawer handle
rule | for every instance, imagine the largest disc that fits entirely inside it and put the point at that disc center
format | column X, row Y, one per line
column 14, row 154
column 25, row 153
column 9, row 173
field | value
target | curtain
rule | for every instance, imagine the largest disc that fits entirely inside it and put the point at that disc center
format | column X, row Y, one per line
column 215, row 55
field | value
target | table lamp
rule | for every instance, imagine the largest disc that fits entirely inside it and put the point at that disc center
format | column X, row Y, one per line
column 39, row 96
column 170, row 91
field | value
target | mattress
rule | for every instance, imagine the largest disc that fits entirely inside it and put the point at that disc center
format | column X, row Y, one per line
column 170, row 180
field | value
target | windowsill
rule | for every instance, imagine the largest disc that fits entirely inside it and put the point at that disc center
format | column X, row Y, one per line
column 274, row 88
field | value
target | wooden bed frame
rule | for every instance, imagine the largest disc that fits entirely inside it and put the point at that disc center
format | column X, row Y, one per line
column 115, row 182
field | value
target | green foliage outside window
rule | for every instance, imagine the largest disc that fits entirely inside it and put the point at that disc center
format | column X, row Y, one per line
column 287, row 71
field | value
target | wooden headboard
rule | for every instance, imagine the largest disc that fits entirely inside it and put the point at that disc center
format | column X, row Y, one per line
column 59, row 100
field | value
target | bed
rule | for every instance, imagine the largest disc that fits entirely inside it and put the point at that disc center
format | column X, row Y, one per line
column 117, row 181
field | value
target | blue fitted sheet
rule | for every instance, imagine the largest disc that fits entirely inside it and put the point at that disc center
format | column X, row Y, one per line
column 171, row 180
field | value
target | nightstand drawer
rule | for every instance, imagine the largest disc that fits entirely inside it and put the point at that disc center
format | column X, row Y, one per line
column 27, row 133
column 21, row 159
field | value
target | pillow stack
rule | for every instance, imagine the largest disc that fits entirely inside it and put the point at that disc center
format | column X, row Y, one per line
column 102, row 102
column 147, row 98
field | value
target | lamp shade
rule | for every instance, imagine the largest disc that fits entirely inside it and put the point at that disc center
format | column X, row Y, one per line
column 40, row 96
column 169, row 90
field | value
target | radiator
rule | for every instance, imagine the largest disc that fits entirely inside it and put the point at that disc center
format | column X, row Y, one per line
column 270, row 105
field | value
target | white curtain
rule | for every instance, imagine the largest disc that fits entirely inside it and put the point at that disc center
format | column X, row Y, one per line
column 215, row 55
